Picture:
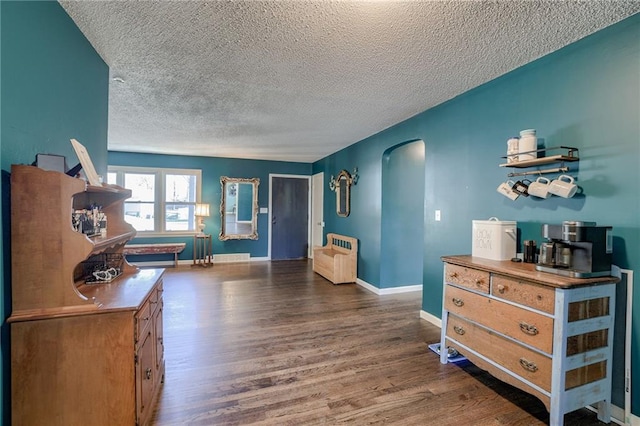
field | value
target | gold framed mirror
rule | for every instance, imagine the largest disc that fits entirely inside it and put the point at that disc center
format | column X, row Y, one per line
column 239, row 209
column 343, row 193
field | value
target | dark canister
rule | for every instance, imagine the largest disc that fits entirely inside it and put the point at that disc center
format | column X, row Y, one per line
column 529, row 251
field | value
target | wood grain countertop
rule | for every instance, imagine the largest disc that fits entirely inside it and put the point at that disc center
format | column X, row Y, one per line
column 126, row 293
column 526, row 271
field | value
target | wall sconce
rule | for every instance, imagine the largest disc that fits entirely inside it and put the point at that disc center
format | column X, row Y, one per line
column 353, row 179
column 202, row 210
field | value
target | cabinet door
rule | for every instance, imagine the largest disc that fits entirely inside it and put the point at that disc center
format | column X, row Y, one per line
column 159, row 336
column 145, row 377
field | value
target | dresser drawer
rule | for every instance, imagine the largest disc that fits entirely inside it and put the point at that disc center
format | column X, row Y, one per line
column 466, row 277
column 143, row 319
column 524, row 292
column 528, row 327
column 524, row 362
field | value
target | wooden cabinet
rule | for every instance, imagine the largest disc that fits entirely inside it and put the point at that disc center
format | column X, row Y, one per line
column 548, row 335
column 89, row 354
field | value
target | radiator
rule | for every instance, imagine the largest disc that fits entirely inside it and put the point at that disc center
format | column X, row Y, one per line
column 232, row 257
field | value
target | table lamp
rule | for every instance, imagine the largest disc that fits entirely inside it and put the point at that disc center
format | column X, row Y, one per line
column 202, row 210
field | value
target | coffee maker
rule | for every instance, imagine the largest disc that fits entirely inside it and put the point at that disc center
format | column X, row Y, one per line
column 576, row 249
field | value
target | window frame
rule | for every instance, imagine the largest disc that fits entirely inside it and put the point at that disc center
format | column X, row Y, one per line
column 160, row 202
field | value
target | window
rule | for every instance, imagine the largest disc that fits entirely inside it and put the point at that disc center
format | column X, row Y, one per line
column 162, row 201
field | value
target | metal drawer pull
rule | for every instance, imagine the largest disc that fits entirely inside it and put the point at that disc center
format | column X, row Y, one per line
column 528, row 365
column 453, row 275
column 528, row 329
column 479, row 281
column 457, row 302
column 458, row 329
column 501, row 289
column 147, row 374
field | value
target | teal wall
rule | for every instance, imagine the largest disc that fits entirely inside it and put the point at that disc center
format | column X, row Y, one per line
column 54, row 87
column 586, row 95
column 212, row 169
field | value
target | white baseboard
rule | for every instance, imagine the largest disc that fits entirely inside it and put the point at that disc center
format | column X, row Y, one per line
column 389, row 290
column 431, row 318
column 617, row 416
column 187, row 262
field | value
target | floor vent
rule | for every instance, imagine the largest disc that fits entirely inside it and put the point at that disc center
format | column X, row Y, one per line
column 229, row 258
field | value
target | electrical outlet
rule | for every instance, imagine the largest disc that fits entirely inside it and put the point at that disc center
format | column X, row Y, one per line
column 437, row 215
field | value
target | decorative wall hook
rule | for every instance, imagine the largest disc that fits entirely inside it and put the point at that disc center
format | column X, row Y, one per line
column 351, row 179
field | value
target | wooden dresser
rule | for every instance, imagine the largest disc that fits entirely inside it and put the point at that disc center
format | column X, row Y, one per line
column 548, row 335
column 81, row 354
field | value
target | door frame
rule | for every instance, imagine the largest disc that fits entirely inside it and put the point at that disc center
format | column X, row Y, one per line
column 317, row 203
column 279, row 175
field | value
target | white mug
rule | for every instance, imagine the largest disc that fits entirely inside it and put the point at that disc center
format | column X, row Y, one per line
column 540, row 188
column 505, row 188
column 563, row 186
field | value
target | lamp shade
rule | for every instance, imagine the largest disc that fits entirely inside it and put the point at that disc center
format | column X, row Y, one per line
column 202, row 209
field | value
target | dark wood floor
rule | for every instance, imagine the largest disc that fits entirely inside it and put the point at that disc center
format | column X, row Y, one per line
column 275, row 344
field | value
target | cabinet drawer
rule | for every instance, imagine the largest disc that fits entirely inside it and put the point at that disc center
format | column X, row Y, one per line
column 524, row 292
column 466, row 277
column 525, row 326
column 143, row 319
column 524, row 362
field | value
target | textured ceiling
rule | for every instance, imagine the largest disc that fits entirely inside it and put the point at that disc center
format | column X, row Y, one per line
column 299, row 80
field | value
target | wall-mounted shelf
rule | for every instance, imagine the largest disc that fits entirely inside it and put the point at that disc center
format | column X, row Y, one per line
column 566, row 154
column 570, row 154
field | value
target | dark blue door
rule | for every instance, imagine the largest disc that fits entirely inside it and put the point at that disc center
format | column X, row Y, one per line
column 289, row 218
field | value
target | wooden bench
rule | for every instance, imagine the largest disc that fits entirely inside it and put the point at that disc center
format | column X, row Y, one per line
column 337, row 261
column 162, row 248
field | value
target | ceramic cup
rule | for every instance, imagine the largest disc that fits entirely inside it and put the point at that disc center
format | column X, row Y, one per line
column 563, row 186
column 540, row 188
column 505, row 188
column 521, row 187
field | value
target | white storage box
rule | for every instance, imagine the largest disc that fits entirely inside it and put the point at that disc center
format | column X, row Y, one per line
column 494, row 239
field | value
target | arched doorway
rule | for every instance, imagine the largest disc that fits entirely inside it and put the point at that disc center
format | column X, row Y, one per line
column 402, row 236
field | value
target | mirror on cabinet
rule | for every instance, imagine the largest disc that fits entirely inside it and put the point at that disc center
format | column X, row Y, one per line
column 239, row 208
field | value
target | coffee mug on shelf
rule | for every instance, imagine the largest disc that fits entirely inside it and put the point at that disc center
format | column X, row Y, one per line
column 540, row 188
column 563, row 186
column 505, row 188
column 521, row 187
